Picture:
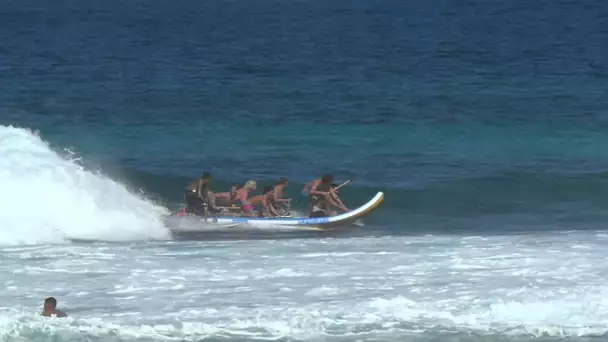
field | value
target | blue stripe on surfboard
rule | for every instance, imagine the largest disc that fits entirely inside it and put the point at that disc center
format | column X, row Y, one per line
column 319, row 220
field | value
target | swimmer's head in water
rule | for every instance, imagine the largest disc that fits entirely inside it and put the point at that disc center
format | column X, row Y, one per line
column 268, row 189
column 251, row 185
column 206, row 175
column 50, row 303
column 283, row 181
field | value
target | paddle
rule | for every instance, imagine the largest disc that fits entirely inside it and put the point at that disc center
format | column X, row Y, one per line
column 339, row 186
column 234, row 208
column 332, row 191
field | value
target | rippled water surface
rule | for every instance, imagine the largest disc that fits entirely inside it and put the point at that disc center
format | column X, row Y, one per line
column 329, row 289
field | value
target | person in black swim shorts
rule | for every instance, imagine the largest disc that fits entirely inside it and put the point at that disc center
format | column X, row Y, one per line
column 199, row 196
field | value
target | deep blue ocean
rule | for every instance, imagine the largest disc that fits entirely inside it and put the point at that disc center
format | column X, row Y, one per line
column 476, row 118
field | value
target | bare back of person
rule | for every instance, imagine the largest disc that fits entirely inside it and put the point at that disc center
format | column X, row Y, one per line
column 263, row 203
column 308, row 186
column 256, row 200
column 242, row 196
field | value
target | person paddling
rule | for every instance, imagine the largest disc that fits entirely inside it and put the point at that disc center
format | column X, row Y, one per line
column 335, row 196
column 319, row 194
column 277, row 196
column 308, row 186
column 50, row 309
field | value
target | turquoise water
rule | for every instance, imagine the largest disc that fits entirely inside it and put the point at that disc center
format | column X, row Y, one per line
column 484, row 123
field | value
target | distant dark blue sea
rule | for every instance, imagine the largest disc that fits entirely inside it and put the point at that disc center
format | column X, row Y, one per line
column 485, row 124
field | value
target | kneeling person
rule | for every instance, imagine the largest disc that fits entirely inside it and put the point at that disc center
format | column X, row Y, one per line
column 264, row 203
column 322, row 205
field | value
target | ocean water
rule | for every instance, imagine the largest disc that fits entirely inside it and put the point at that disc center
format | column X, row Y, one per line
column 484, row 123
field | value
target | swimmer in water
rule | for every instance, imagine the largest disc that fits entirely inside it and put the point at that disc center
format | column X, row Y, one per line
column 50, row 309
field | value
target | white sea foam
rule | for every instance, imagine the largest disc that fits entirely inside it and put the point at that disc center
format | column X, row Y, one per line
column 333, row 289
column 49, row 198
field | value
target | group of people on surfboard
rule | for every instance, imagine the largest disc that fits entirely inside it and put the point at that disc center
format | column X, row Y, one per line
column 322, row 193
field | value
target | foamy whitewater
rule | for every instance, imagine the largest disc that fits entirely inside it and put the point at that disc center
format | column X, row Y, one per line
column 136, row 284
column 365, row 289
column 48, row 198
